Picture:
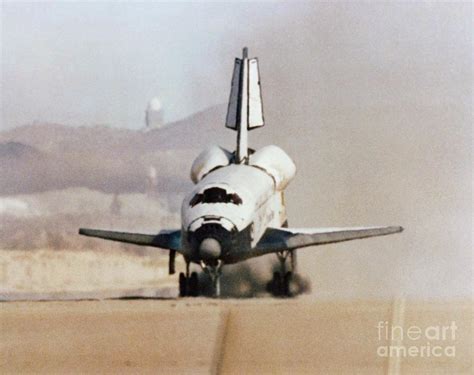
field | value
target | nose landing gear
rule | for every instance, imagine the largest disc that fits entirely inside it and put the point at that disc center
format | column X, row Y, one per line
column 214, row 272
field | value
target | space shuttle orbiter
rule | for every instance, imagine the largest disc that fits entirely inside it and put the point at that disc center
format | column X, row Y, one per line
column 236, row 210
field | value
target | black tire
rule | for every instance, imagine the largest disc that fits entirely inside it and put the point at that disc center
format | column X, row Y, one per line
column 193, row 286
column 183, row 287
column 277, row 284
column 287, row 292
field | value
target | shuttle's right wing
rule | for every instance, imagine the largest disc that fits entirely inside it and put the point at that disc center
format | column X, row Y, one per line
column 165, row 239
column 279, row 239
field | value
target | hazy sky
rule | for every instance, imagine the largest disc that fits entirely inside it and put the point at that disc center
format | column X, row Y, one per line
column 101, row 62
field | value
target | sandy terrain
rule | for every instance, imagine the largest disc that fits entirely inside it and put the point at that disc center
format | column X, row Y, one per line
column 228, row 336
column 47, row 274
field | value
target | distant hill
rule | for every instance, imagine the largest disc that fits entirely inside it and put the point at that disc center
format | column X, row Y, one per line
column 43, row 157
column 18, row 150
column 193, row 132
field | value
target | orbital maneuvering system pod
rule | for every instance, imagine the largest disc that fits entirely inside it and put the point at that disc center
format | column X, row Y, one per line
column 236, row 210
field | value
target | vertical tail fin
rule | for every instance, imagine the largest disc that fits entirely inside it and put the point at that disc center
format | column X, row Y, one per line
column 245, row 110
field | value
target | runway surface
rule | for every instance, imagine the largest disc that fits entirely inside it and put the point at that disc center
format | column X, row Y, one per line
column 255, row 336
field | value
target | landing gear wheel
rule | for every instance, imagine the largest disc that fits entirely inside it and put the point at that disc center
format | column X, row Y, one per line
column 276, row 284
column 193, row 285
column 283, row 283
column 182, row 285
column 287, row 285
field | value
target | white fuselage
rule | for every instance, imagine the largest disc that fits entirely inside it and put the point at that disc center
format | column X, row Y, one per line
column 241, row 199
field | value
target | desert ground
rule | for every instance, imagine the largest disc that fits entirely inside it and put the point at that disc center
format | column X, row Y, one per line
column 252, row 336
column 116, row 312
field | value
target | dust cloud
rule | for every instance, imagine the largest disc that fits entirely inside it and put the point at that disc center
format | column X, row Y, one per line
column 251, row 279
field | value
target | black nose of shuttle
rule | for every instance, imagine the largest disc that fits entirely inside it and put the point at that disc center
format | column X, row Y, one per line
column 210, row 248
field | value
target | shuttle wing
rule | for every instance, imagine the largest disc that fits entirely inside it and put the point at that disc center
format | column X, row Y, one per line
column 279, row 239
column 165, row 239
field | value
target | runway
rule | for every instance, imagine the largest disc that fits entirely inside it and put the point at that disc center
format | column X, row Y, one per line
column 205, row 336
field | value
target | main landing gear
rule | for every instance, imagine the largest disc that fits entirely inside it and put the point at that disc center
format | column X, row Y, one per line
column 283, row 281
column 189, row 283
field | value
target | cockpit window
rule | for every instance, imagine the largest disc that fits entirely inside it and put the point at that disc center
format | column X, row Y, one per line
column 215, row 195
column 235, row 199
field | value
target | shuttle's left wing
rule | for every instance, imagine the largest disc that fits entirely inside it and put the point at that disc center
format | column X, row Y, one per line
column 165, row 239
column 279, row 239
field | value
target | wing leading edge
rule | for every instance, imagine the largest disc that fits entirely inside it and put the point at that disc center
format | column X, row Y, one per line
column 279, row 239
column 165, row 239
